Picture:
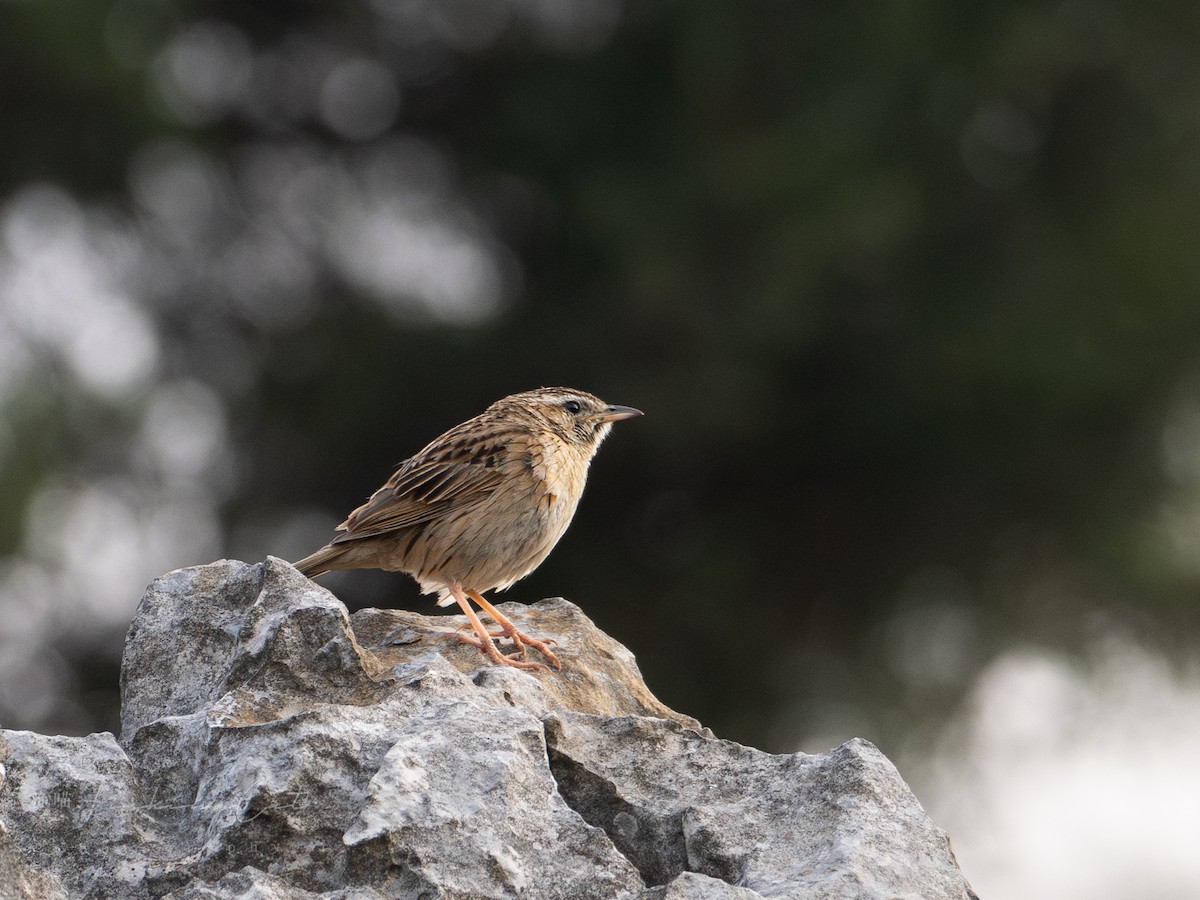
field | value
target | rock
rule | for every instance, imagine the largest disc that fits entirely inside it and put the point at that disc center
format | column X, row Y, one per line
column 273, row 746
column 782, row 826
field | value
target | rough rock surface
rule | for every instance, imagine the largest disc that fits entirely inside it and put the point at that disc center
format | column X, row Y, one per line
column 274, row 747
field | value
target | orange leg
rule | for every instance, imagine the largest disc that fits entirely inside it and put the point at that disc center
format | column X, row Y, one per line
column 484, row 638
column 509, row 630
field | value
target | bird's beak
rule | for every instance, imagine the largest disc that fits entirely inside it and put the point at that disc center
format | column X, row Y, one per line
column 617, row 413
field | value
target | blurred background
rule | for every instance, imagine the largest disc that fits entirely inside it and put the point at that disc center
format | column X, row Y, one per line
column 909, row 292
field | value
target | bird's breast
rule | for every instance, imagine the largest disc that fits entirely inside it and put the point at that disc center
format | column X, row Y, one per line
column 496, row 543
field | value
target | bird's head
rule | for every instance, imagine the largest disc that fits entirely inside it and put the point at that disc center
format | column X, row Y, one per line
column 575, row 416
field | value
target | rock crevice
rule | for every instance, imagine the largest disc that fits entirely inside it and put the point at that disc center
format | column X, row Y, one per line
column 273, row 745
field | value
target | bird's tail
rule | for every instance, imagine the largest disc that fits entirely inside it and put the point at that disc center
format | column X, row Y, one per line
column 324, row 560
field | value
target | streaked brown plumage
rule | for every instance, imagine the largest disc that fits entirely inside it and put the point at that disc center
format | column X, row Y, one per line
column 481, row 506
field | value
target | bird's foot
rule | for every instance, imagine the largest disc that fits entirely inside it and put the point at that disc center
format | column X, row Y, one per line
column 521, row 640
column 489, row 649
column 486, row 640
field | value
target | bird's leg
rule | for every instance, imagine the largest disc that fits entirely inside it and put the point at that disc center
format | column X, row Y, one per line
column 484, row 638
column 509, row 630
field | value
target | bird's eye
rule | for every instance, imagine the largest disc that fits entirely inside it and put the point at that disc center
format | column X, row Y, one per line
column 572, row 406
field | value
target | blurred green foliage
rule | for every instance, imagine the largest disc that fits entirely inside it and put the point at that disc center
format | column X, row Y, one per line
column 908, row 292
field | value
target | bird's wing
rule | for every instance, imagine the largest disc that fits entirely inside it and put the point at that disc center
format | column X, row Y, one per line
column 441, row 477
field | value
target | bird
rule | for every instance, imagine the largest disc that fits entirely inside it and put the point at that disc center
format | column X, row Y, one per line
column 480, row 507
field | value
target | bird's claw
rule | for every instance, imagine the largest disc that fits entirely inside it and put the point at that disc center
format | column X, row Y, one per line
column 514, row 660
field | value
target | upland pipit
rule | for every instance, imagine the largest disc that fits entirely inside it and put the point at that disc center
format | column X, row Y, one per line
column 480, row 507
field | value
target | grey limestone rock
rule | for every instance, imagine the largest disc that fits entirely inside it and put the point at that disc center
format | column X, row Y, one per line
column 272, row 746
